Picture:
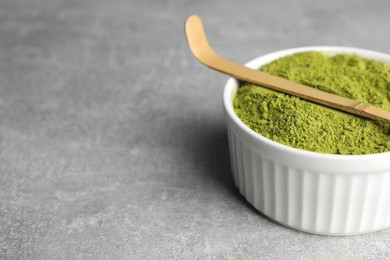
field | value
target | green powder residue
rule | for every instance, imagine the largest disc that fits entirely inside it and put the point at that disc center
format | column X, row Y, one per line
column 301, row 124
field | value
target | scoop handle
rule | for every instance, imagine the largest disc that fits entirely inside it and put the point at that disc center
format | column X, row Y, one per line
column 202, row 50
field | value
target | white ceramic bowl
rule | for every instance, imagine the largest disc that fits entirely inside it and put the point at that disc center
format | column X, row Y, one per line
column 314, row 192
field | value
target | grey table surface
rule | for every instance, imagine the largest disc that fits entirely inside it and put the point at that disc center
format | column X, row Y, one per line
column 112, row 137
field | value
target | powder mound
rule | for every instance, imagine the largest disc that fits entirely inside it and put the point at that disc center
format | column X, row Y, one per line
column 301, row 124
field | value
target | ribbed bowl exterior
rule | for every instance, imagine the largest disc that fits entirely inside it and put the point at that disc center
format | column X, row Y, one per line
column 307, row 191
column 316, row 202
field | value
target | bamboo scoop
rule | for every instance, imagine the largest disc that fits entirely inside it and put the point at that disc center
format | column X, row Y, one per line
column 205, row 54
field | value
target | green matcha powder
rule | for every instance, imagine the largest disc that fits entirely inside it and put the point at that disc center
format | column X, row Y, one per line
column 301, row 124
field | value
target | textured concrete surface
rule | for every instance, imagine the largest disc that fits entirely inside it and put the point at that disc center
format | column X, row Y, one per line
column 112, row 138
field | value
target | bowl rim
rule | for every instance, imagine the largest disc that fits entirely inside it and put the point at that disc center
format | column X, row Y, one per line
column 232, row 84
